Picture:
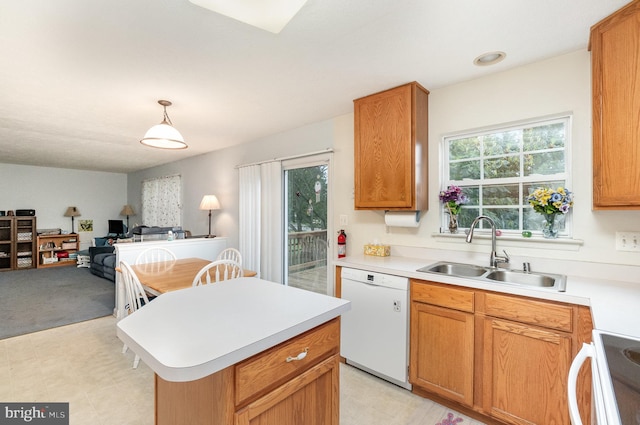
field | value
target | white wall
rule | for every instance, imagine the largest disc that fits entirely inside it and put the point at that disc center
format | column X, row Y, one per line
column 561, row 84
column 552, row 86
column 215, row 173
column 99, row 196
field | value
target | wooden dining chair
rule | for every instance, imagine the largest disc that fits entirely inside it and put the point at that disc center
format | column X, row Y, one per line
column 231, row 254
column 217, row 271
column 155, row 255
column 135, row 297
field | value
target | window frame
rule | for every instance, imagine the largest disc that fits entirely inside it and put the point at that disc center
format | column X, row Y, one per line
column 520, row 180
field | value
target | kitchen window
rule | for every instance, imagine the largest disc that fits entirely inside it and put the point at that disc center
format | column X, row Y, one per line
column 498, row 167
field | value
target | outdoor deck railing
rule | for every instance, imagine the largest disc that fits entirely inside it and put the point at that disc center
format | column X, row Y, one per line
column 306, row 250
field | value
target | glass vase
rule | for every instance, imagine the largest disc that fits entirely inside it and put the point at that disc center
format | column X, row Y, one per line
column 453, row 223
column 550, row 231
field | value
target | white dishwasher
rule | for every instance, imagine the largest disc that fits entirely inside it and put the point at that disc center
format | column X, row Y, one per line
column 375, row 333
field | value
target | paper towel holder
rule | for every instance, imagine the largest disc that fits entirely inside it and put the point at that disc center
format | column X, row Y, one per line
column 414, row 223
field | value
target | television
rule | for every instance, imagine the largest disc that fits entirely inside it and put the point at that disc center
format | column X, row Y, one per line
column 116, row 227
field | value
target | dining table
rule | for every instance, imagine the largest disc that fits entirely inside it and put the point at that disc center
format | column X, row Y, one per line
column 165, row 276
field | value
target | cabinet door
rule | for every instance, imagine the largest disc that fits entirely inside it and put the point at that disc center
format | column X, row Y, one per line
column 383, row 150
column 441, row 359
column 311, row 398
column 615, row 50
column 524, row 373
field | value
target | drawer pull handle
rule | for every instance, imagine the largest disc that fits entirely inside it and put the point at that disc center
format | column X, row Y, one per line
column 299, row 356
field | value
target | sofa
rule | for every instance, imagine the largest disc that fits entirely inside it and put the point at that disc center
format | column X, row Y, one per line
column 102, row 259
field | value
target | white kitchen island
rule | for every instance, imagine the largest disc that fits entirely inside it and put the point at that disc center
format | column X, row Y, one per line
column 239, row 352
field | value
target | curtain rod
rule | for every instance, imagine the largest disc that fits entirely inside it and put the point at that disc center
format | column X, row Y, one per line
column 284, row 158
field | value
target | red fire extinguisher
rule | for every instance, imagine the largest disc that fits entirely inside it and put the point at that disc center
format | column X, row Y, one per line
column 342, row 244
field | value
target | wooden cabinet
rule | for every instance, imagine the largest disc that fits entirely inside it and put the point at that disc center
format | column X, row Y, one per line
column 50, row 247
column 526, row 360
column 391, row 149
column 503, row 356
column 310, row 398
column 615, row 62
column 267, row 389
column 442, row 337
column 17, row 243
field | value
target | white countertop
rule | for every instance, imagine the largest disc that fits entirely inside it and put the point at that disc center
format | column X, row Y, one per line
column 189, row 334
column 615, row 305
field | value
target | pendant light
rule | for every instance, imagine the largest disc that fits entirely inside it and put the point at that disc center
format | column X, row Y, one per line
column 164, row 135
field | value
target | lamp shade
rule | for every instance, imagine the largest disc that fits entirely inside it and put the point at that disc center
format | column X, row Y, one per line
column 210, row 202
column 72, row 212
column 164, row 135
column 127, row 210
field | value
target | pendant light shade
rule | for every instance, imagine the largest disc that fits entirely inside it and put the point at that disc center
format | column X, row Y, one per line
column 164, row 135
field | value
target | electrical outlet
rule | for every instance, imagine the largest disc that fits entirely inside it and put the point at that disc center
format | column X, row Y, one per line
column 628, row 241
column 344, row 220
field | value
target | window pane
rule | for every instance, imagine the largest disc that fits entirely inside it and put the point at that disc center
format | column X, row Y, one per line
column 501, row 195
column 473, row 193
column 464, row 148
column 467, row 215
column 464, row 170
column 535, row 222
column 544, row 137
column 502, row 143
column 497, row 168
column 528, row 188
column 544, row 163
column 505, row 218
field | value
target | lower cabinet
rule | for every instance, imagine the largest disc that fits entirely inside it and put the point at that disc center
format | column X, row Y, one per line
column 504, row 357
column 441, row 352
column 276, row 387
column 525, row 372
column 309, row 399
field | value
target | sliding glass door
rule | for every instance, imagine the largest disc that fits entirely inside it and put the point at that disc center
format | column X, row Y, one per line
column 306, row 214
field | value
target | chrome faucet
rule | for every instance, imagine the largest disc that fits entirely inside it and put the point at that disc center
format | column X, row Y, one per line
column 494, row 259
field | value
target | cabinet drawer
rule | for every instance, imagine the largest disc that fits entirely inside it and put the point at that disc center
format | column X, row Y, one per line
column 443, row 296
column 270, row 368
column 522, row 310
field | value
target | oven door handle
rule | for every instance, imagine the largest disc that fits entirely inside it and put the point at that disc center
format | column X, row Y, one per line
column 587, row 351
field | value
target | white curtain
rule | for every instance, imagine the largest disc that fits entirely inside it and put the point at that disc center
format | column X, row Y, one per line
column 261, row 219
column 249, row 232
column 272, row 218
column 161, row 201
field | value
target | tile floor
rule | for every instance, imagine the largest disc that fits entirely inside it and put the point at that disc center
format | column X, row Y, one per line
column 83, row 364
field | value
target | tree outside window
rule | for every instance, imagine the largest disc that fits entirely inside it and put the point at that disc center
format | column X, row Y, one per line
column 498, row 168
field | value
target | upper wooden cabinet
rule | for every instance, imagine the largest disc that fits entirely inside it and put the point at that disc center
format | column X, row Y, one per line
column 391, row 144
column 615, row 62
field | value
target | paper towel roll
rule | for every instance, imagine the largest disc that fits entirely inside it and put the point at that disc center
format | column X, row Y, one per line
column 402, row 218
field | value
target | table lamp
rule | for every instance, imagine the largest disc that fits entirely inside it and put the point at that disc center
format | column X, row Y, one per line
column 210, row 202
column 72, row 212
column 127, row 210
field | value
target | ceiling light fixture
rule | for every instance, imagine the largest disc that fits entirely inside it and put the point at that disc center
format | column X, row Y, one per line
column 164, row 135
column 490, row 58
column 269, row 15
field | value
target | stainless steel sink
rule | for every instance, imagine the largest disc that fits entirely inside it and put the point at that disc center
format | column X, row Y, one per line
column 455, row 269
column 488, row 274
column 551, row 281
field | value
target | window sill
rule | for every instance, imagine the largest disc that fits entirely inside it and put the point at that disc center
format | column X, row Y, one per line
column 565, row 244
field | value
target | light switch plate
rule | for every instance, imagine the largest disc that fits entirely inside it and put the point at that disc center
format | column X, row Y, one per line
column 628, row 241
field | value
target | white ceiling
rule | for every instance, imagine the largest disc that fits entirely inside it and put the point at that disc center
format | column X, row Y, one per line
column 79, row 79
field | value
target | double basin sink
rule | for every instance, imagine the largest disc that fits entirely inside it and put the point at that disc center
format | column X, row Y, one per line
column 509, row 277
